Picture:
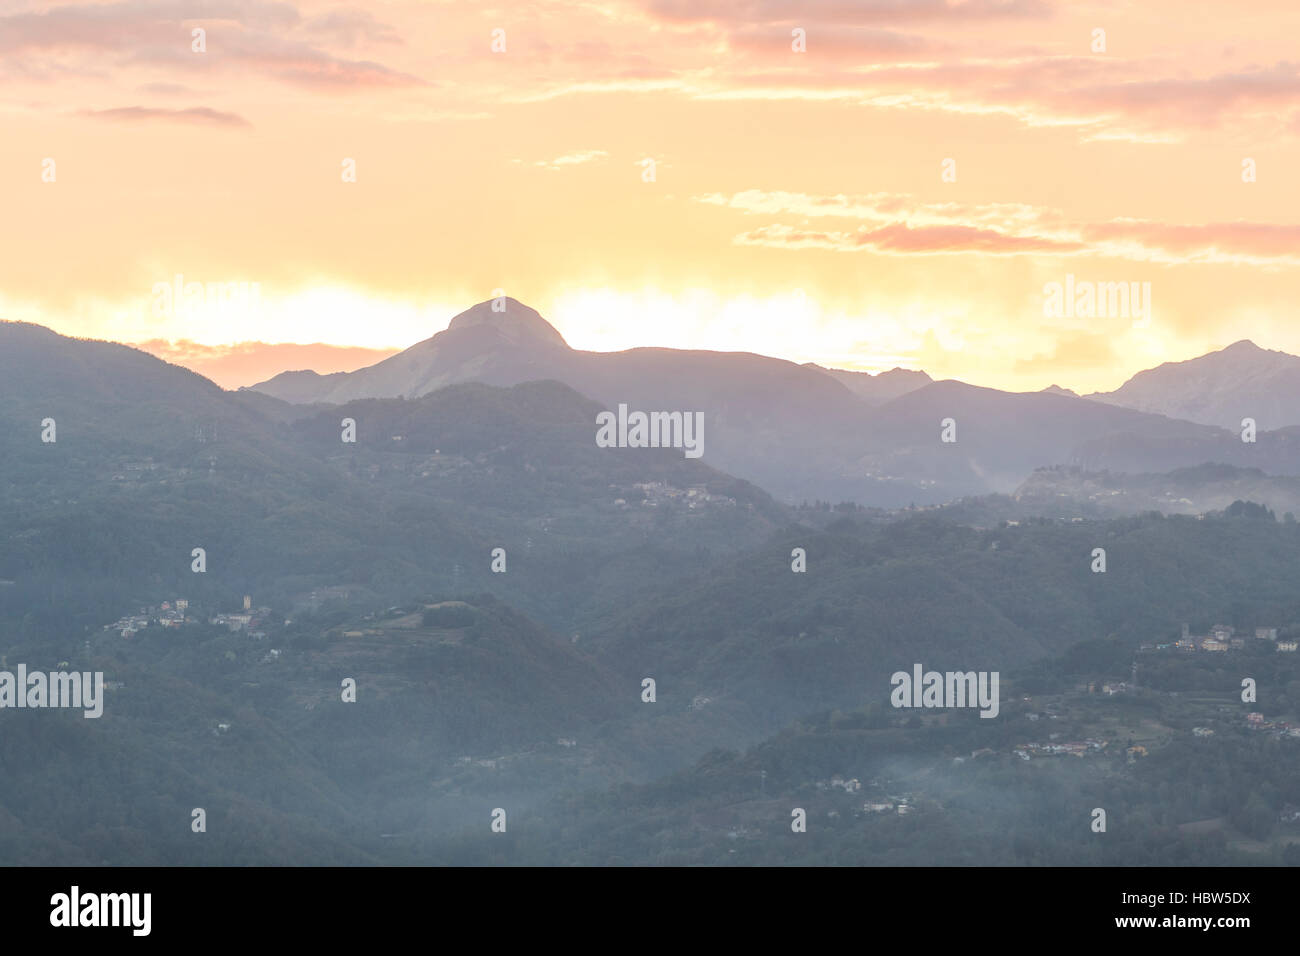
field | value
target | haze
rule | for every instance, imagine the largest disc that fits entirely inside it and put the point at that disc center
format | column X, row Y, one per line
column 797, row 207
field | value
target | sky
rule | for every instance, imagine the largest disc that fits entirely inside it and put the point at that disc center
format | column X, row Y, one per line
column 860, row 183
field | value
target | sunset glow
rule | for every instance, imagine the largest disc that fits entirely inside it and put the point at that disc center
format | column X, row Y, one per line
column 798, row 205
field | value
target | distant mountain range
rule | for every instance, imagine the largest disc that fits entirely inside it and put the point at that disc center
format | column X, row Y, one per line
column 761, row 413
column 800, row 432
column 243, row 363
column 879, row 388
column 1220, row 388
column 805, row 431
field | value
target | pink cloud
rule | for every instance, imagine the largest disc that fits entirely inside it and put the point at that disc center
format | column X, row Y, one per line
column 902, row 225
column 902, row 239
column 254, row 35
column 201, row 115
column 843, row 11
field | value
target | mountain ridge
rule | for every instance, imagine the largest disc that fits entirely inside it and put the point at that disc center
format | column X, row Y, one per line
column 1241, row 380
column 806, row 432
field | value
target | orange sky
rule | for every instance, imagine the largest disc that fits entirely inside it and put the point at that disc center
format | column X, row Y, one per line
column 797, row 207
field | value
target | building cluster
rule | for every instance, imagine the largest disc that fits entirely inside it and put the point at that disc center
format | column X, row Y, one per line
column 657, row 493
column 251, row 621
column 176, row 614
column 1222, row 637
column 135, row 470
column 878, row 802
column 901, row 805
column 167, row 614
column 1075, row 748
column 1274, row 728
column 1109, row 688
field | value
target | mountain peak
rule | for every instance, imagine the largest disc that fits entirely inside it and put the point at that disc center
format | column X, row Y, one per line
column 1244, row 345
column 516, row 322
column 1218, row 388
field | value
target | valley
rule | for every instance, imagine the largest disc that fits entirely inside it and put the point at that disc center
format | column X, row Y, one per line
column 457, row 612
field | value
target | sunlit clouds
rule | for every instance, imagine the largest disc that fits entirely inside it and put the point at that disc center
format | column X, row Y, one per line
column 865, row 184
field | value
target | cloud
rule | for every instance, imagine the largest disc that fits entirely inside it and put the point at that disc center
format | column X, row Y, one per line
column 351, row 27
column 842, row 12
column 165, row 89
column 573, row 159
column 256, row 35
column 902, row 239
column 1081, row 350
column 902, row 225
column 891, row 55
column 613, row 85
column 1049, row 91
column 201, row 115
column 881, row 207
column 287, row 60
column 1206, row 99
column 133, row 23
column 852, row 43
column 1254, row 243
